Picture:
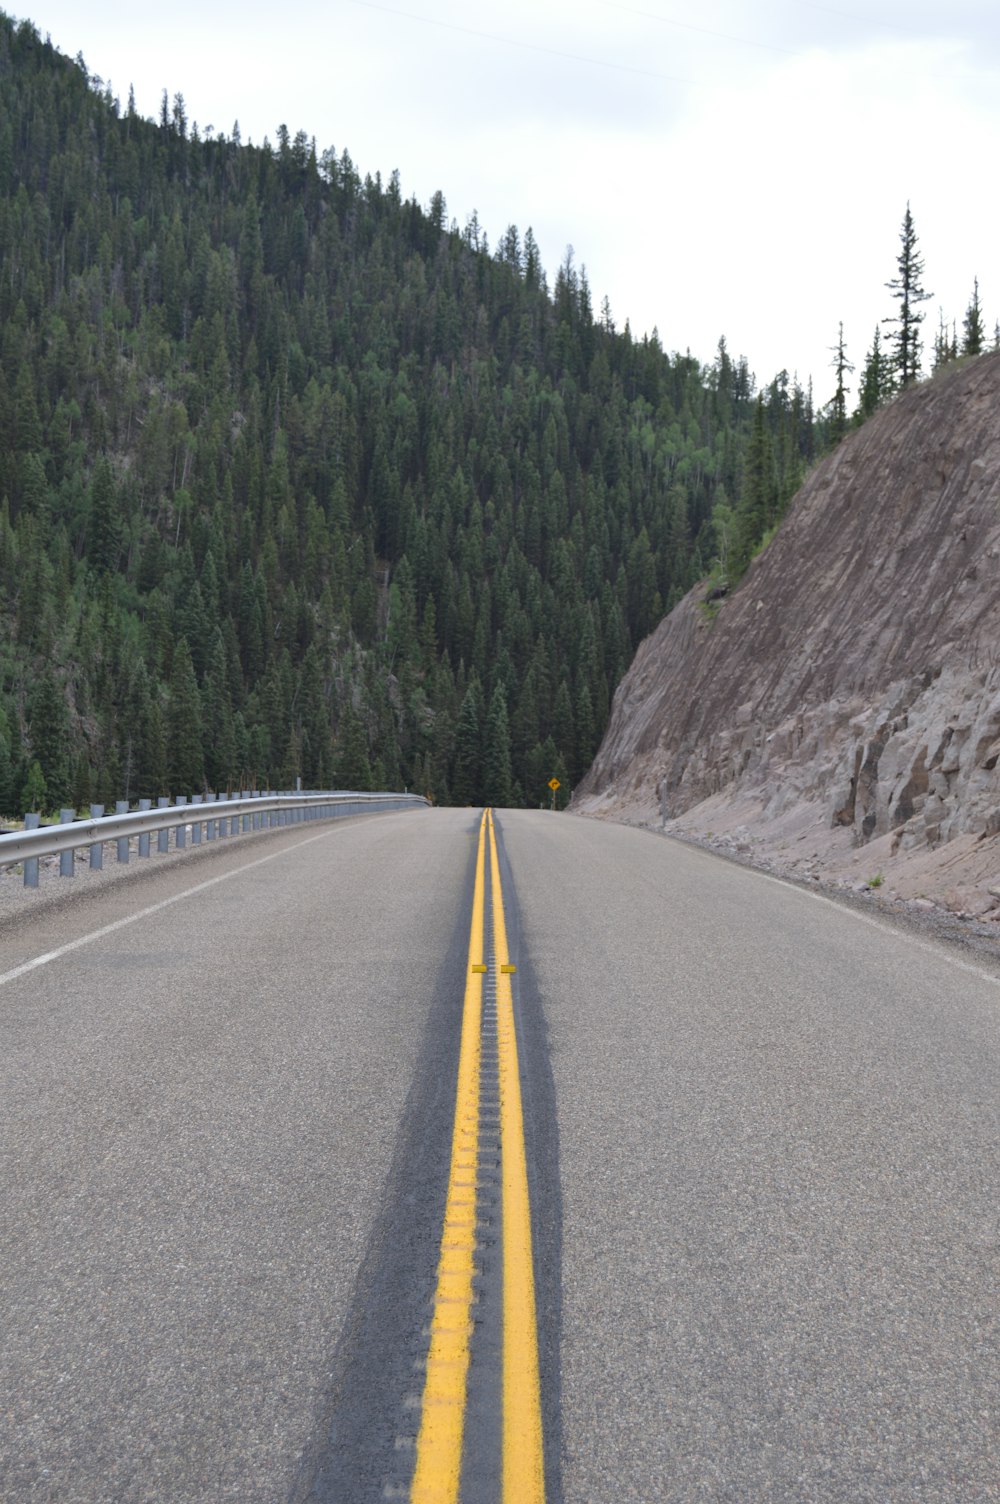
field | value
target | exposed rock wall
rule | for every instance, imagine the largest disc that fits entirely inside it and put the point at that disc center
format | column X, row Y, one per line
column 855, row 672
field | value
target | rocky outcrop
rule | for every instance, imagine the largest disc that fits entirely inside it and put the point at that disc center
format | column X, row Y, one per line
column 848, row 693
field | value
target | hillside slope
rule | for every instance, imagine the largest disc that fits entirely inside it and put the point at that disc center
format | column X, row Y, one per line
column 841, row 715
column 297, row 479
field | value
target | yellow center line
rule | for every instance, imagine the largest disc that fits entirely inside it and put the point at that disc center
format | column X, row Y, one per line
column 438, row 1468
column 437, row 1474
column 523, row 1463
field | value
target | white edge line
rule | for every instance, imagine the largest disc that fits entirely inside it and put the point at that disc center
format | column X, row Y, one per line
column 166, row 903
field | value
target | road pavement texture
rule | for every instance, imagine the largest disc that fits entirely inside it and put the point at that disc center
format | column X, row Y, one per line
column 761, row 1136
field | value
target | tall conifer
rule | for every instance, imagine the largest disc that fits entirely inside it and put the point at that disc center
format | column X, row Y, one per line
column 496, row 752
column 973, row 329
column 185, row 756
column 466, row 781
column 908, row 291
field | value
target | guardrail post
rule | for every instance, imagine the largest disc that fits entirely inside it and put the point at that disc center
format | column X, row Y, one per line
column 180, row 833
column 31, row 822
column 163, row 836
column 121, row 808
column 211, row 826
column 67, row 859
column 97, row 849
column 144, row 804
column 196, row 824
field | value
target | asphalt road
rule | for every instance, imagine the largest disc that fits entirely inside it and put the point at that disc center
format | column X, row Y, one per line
column 778, row 1149
column 199, row 1117
column 763, row 1154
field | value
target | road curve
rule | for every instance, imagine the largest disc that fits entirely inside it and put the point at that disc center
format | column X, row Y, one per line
column 762, row 1154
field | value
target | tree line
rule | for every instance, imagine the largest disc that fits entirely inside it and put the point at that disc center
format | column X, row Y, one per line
column 301, row 480
column 895, row 361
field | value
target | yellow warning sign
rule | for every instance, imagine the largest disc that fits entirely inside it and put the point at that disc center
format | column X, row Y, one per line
column 554, row 784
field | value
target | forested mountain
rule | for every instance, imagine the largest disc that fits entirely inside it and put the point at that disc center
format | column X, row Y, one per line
column 299, row 480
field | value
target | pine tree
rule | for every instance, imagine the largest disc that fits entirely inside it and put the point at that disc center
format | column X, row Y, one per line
column 49, row 734
column 154, row 779
column 466, row 779
column 217, row 722
column 7, row 796
column 316, row 745
column 586, row 736
column 838, row 405
column 34, row 794
column 185, row 756
column 757, row 501
column 909, row 293
column 973, row 328
column 496, row 753
column 104, row 524
column 876, row 379
column 353, row 768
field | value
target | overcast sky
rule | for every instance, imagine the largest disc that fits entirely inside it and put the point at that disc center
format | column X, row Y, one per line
column 724, row 167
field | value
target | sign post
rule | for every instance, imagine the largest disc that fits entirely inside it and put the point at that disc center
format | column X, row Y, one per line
column 553, row 785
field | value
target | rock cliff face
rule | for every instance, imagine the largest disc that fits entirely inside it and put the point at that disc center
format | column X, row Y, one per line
column 843, row 708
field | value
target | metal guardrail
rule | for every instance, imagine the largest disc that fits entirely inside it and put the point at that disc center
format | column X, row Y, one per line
column 205, row 816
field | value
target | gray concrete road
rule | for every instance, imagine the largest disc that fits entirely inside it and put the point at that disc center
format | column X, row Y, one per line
column 763, row 1133
column 198, row 1114
column 778, row 1149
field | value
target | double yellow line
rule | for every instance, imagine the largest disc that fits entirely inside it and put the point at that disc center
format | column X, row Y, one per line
column 437, row 1475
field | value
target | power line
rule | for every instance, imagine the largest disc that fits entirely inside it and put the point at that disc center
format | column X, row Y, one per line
column 725, row 36
column 846, row 15
column 489, row 36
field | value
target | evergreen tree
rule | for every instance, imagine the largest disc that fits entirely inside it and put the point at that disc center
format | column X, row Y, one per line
column 876, row 379
column 945, row 344
column 316, row 745
column 49, row 736
column 973, row 328
column 496, row 753
column 908, row 291
column 466, row 780
column 155, row 777
column 104, row 523
column 218, row 727
column 185, row 754
column 354, row 770
column 756, row 504
column 34, row 794
column 8, row 798
column 838, row 406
